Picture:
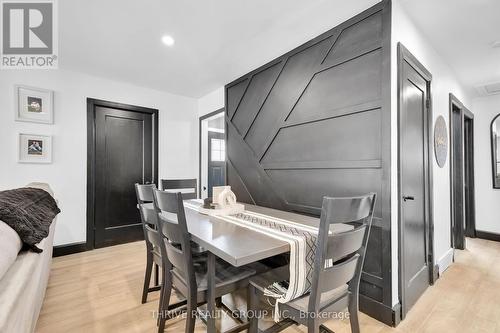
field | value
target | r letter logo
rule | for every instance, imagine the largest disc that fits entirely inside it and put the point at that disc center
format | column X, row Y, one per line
column 29, row 36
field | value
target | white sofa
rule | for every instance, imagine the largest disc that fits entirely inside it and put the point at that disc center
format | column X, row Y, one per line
column 22, row 287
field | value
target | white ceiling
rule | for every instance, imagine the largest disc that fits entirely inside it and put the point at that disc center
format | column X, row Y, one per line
column 462, row 31
column 216, row 41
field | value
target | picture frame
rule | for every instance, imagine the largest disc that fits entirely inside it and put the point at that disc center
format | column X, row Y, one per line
column 34, row 148
column 34, row 105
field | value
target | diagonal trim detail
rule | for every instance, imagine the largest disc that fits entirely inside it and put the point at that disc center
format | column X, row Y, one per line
column 284, row 118
column 283, row 64
column 266, row 187
column 241, row 180
column 241, row 98
column 319, row 69
column 344, row 29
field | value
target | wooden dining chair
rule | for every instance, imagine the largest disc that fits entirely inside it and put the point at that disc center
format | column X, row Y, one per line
column 189, row 191
column 155, row 249
column 149, row 223
column 186, row 186
column 189, row 279
column 155, row 245
column 337, row 269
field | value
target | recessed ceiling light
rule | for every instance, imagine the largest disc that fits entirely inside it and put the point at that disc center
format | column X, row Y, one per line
column 168, row 40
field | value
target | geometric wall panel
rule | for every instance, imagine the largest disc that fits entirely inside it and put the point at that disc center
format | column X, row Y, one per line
column 236, row 91
column 254, row 96
column 315, row 142
column 287, row 89
column 316, row 122
column 357, row 39
column 349, row 84
column 307, row 187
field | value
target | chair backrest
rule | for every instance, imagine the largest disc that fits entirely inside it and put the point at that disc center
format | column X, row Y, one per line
column 340, row 256
column 144, row 192
column 173, row 229
column 185, row 186
column 150, row 226
column 149, row 217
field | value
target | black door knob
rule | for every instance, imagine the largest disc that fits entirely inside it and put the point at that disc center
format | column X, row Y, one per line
column 406, row 198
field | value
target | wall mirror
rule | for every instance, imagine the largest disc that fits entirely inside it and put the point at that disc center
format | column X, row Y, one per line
column 495, row 150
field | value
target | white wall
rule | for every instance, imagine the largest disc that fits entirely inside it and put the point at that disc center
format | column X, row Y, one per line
column 444, row 81
column 487, row 198
column 211, row 102
column 67, row 174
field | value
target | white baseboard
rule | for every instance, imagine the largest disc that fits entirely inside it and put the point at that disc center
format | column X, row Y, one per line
column 445, row 261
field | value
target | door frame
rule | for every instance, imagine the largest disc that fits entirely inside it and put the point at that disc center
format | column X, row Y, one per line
column 91, row 152
column 208, row 115
column 470, row 222
column 405, row 56
column 458, row 234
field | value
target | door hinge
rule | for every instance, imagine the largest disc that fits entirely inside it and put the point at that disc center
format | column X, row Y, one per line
column 428, row 103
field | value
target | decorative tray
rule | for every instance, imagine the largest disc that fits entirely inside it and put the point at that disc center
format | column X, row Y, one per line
column 231, row 210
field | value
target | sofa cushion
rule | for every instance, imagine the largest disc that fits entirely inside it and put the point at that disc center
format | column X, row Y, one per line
column 10, row 245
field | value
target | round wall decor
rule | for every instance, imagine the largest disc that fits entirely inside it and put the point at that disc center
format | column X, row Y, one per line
column 440, row 141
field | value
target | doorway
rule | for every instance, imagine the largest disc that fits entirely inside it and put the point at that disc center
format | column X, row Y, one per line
column 212, row 152
column 415, row 179
column 122, row 149
column 216, row 160
column 463, row 223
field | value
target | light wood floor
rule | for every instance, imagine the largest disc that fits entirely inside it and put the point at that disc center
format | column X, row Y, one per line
column 100, row 291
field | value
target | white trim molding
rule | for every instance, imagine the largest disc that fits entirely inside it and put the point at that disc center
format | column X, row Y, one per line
column 445, row 261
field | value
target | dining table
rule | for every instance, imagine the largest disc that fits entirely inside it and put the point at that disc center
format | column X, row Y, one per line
column 237, row 244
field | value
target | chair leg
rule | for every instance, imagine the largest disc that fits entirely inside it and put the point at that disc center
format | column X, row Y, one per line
column 313, row 326
column 191, row 313
column 157, row 273
column 147, row 278
column 166, row 290
column 324, row 329
column 252, row 306
column 160, row 305
column 353, row 314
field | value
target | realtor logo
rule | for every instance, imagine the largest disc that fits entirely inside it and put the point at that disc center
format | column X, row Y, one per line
column 29, row 36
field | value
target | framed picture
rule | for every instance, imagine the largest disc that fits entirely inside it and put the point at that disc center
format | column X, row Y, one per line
column 35, row 148
column 34, row 104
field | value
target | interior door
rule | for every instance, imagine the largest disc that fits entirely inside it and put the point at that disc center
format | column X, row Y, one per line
column 413, row 185
column 216, row 160
column 458, row 184
column 123, row 156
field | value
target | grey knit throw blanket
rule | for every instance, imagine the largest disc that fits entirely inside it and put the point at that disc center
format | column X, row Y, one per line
column 29, row 211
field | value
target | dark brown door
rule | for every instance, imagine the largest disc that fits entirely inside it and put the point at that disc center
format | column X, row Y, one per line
column 124, row 155
column 461, row 173
column 457, row 165
column 413, row 185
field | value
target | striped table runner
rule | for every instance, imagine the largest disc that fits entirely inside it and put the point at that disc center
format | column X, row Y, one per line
column 302, row 241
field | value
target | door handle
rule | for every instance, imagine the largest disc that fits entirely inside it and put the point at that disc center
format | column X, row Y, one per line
column 406, row 198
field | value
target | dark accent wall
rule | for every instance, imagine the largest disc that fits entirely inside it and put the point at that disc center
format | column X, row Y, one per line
column 316, row 122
